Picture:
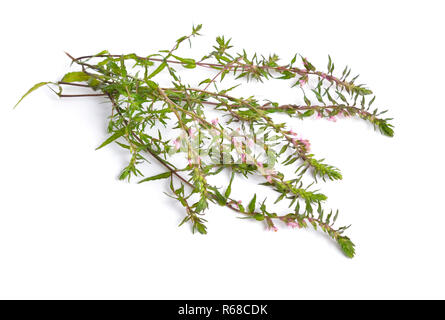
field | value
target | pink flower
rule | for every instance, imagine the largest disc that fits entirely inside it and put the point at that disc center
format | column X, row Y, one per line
column 324, row 75
column 293, row 224
column 332, row 118
column 177, row 144
column 302, row 82
column 250, row 143
column 269, row 179
column 306, row 144
column 190, row 161
column 243, row 157
column 273, row 228
column 294, row 141
column 319, row 116
column 237, row 204
column 192, row 132
column 215, row 121
column 292, row 133
column 260, row 164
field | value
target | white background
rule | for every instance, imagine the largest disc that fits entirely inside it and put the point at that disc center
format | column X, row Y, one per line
column 70, row 229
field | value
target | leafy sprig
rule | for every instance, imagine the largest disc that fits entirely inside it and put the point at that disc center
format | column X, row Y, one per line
column 139, row 105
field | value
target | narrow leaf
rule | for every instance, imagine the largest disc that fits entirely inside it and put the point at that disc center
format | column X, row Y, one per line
column 251, row 206
column 157, row 70
column 164, row 175
column 113, row 137
column 35, row 87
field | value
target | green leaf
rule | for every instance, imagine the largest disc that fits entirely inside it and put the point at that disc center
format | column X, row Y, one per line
column 251, row 206
column 219, row 197
column 201, row 205
column 205, row 81
column 164, row 175
column 201, row 228
column 77, row 76
column 153, row 85
column 102, row 53
column 319, row 97
column 341, row 96
column 229, row 187
column 113, row 137
column 308, row 65
column 287, row 75
column 308, row 113
column 258, row 217
column 157, row 70
column 347, row 246
column 386, row 129
column 35, row 87
column 187, row 62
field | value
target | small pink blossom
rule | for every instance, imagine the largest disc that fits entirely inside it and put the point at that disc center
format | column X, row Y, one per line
column 332, row 118
column 250, row 143
column 306, row 144
column 319, row 115
column 269, row 179
column 273, row 228
column 176, row 144
column 215, row 121
column 324, row 75
column 260, row 164
column 192, row 132
column 294, row 141
column 190, row 161
column 302, row 82
column 236, row 143
column 243, row 157
column 237, row 204
column 292, row 133
column 293, row 224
